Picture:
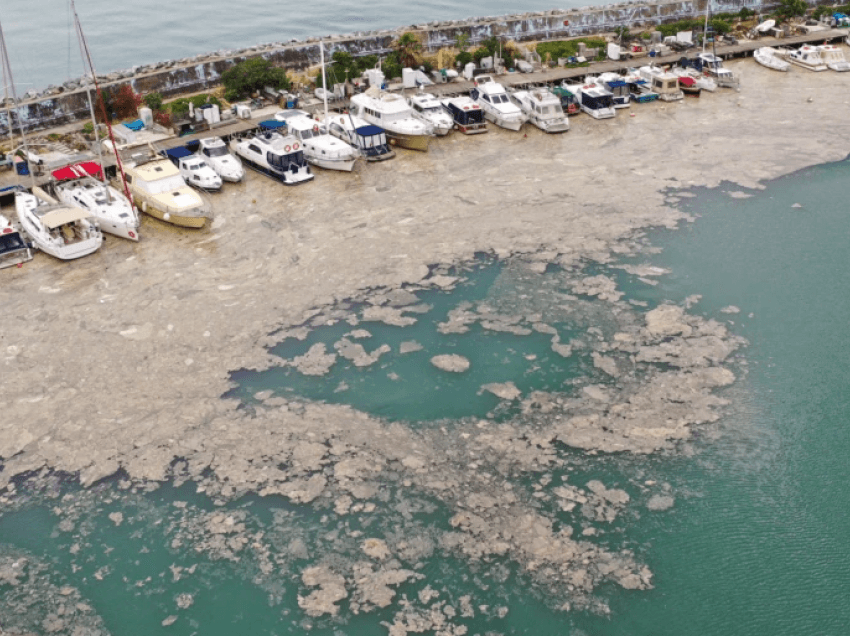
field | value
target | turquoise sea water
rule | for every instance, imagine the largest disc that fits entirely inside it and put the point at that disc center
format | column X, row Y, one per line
column 123, row 35
column 758, row 541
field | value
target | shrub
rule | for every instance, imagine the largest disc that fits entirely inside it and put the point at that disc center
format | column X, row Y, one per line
column 88, row 128
column 252, row 75
column 463, row 58
column 391, row 66
column 153, row 101
column 179, row 108
column 568, row 48
column 479, row 54
column 163, row 119
column 126, row 102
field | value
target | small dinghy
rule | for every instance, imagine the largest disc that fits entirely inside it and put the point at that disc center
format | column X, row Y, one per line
column 768, row 57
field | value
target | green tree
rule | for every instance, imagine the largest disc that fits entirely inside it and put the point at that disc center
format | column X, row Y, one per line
column 253, row 75
column 391, row 65
column 462, row 42
column 409, row 49
column 463, row 58
column 153, row 101
column 792, row 8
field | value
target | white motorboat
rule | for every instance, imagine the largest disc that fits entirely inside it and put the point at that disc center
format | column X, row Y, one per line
column 768, row 57
column 542, row 108
column 594, row 100
column 158, row 190
column 14, row 246
column 370, row 141
column 617, row 86
column 807, row 56
column 279, row 156
column 78, row 185
column 664, row 83
column 701, row 81
column 63, row 231
column 466, row 114
column 713, row 66
column 193, row 169
column 833, row 57
column 497, row 106
column 428, row 109
column 218, row 157
column 320, row 148
column 392, row 113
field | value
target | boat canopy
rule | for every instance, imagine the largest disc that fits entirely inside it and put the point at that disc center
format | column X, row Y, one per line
column 687, row 81
column 178, row 153
column 368, row 131
column 616, row 84
column 61, row 216
column 272, row 124
column 86, row 168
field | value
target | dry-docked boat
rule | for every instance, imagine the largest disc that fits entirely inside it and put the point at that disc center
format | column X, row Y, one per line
column 808, row 57
column 701, row 81
column 768, row 57
column 617, row 86
column 467, row 116
column 569, row 101
column 392, row 113
column 427, row 108
column 79, row 185
column 833, row 57
column 193, row 169
column 218, row 157
column 279, row 156
column 320, row 148
column 542, row 108
column 61, row 230
column 158, row 190
column 596, row 101
column 497, row 106
column 664, row 83
column 688, row 86
column 712, row 65
column 14, row 247
column 370, row 141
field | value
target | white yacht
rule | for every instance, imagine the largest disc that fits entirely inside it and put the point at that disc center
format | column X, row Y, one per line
column 497, row 106
column 713, row 65
column 466, row 114
column 64, row 231
column 159, row 190
column 617, row 86
column 193, row 169
column 593, row 100
column 320, row 148
column 370, row 140
column 392, row 113
column 218, row 157
column 833, row 57
column 664, row 83
column 427, row 108
column 701, row 81
column 542, row 108
column 808, row 57
column 768, row 57
column 279, row 156
column 78, row 185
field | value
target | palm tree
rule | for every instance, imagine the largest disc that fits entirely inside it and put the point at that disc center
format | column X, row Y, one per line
column 408, row 48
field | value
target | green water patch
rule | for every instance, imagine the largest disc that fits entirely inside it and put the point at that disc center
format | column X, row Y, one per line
column 507, row 323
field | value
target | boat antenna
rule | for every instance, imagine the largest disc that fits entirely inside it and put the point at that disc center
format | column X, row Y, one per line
column 9, row 78
column 84, row 48
column 324, row 79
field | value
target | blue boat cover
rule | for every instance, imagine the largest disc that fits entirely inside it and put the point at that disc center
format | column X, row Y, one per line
column 368, row 131
column 616, row 84
column 177, row 153
column 272, row 124
column 135, row 126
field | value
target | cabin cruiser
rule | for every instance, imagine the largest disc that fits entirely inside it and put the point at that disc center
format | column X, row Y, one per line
column 218, row 157
column 427, row 108
column 369, row 140
column 497, row 106
column 542, row 108
column 617, row 86
column 320, row 148
column 64, row 231
column 279, row 156
column 769, row 57
column 701, row 81
column 640, row 90
column 159, row 190
column 80, row 186
column 808, row 57
column 833, row 57
column 392, row 113
column 713, row 66
column 14, row 247
column 467, row 116
column 193, row 169
column 594, row 100
column 664, row 83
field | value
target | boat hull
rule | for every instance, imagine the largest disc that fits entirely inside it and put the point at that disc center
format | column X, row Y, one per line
column 472, row 129
column 691, row 91
column 551, row 127
column 72, row 251
column 600, row 113
column 411, row 142
column 129, row 232
column 286, row 178
column 181, row 220
column 501, row 122
column 343, row 165
column 9, row 255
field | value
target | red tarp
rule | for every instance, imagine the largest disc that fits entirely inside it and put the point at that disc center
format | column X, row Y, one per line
column 78, row 170
column 687, row 81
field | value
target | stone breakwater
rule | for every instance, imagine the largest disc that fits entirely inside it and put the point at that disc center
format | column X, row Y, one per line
column 60, row 105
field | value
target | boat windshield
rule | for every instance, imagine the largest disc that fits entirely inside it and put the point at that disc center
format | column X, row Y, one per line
column 500, row 99
column 372, row 141
column 168, row 184
column 11, row 241
column 216, row 151
column 287, row 161
column 306, row 134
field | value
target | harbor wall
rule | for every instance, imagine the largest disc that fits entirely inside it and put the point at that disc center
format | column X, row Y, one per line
column 58, row 106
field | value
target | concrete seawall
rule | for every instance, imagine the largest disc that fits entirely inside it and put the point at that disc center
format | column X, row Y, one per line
column 62, row 105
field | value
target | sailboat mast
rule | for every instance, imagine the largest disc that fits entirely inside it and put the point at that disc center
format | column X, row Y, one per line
column 87, row 60
column 96, row 134
column 7, row 73
column 705, row 28
column 324, row 79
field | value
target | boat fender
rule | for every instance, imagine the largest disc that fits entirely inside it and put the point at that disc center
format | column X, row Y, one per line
column 166, row 216
column 316, row 128
column 144, row 206
column 131, row 234
column 295, row 146
column 288, row 148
